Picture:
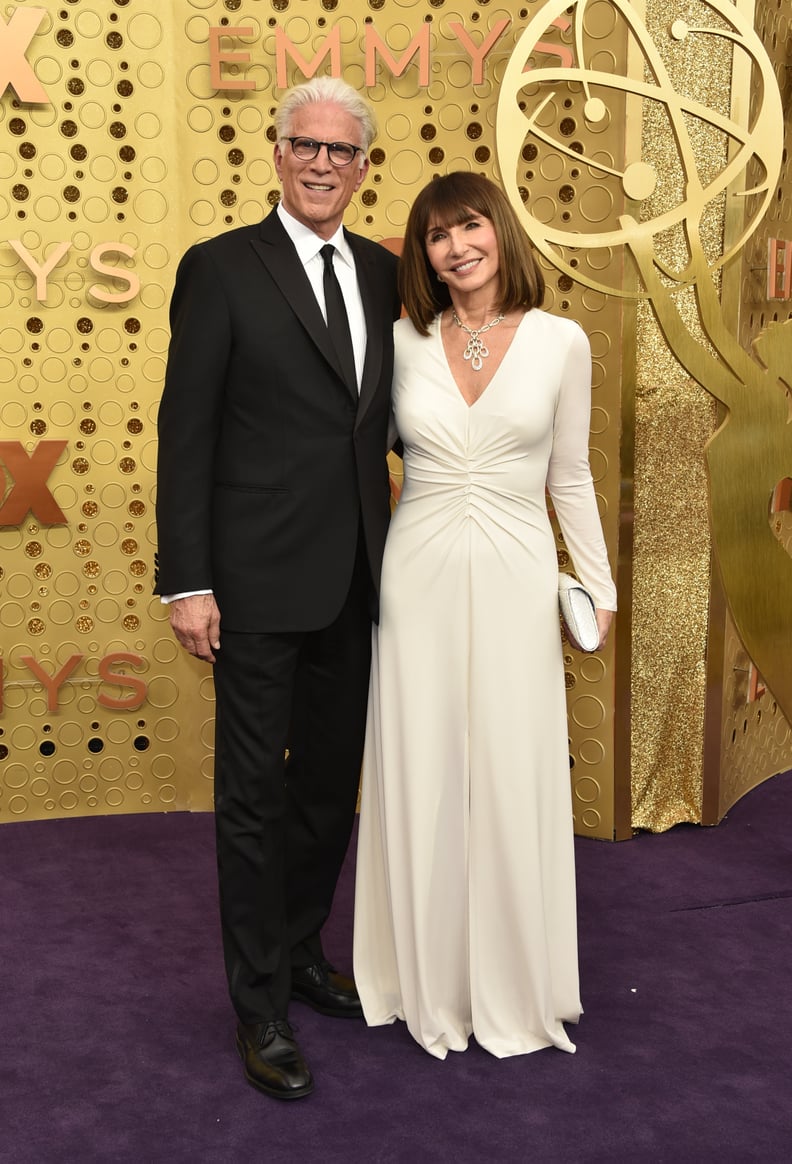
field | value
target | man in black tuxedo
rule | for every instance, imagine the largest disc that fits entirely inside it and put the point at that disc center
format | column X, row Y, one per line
column 272, row 510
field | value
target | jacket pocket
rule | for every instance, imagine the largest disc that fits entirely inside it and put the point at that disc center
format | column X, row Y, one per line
column 236, row 487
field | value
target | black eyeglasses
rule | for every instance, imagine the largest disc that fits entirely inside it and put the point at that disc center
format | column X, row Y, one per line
column 340, row 153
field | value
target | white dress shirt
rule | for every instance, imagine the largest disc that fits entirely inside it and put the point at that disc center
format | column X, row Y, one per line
column 308, row 245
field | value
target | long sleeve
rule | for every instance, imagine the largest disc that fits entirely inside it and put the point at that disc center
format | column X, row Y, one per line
column 189, row 424
column 569, row 480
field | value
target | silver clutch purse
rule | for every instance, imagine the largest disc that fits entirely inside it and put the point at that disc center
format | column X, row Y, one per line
column 577, row 614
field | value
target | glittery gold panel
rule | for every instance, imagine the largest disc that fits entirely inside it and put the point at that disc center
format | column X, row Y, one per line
column 137, row 153
column 673, row 420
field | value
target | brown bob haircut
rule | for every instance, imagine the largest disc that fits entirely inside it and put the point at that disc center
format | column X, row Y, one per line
column 450, row 201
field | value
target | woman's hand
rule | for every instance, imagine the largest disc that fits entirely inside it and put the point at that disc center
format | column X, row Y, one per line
column 604, row 620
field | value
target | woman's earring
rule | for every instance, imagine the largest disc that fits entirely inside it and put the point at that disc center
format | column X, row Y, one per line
column 440, row 278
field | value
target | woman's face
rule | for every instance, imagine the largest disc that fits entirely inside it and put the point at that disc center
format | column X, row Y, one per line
column 465, row 256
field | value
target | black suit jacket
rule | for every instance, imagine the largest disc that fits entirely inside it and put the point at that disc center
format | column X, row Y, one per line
column 267, row 464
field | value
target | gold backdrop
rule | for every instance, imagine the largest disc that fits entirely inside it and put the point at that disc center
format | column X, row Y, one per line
column 131, row 130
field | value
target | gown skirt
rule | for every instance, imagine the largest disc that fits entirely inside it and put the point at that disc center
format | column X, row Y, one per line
column 465, row 916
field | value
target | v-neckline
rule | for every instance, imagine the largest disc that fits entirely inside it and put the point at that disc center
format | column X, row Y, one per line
column 484, row 391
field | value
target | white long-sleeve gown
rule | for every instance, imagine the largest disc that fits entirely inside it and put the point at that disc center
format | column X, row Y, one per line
column 465, row 917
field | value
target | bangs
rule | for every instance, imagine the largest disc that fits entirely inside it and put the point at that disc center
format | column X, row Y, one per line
column 449, row 212
column 453, row 200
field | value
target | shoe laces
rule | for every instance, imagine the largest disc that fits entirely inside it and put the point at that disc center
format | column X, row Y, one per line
column 267, row 1031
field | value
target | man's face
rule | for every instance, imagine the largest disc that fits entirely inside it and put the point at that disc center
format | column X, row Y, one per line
column 317, row 193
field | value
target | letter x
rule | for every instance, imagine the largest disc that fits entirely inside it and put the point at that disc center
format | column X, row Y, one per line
column 30, row 491
column 15, row 69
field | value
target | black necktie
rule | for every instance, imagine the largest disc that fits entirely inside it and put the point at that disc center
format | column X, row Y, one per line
column 337, row 319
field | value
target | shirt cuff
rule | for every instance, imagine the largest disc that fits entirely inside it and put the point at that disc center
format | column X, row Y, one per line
column 167, row 598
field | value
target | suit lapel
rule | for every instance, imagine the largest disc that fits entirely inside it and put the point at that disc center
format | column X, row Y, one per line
column 275, row 249
column 370, row 293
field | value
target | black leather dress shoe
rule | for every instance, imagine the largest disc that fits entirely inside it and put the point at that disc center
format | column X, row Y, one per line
column 272, row 1059
column 323, row 988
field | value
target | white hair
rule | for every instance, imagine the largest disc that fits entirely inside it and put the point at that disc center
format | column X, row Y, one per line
column 327, row 91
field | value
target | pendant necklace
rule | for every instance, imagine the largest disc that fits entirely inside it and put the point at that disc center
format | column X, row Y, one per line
column 476, row 350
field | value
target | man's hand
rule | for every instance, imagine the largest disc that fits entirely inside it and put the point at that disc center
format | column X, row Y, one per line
column 196, row 623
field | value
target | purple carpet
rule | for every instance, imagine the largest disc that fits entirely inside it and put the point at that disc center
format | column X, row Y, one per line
column 116, row 1041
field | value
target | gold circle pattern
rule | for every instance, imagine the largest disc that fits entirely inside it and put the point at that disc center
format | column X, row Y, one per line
column 96, row 373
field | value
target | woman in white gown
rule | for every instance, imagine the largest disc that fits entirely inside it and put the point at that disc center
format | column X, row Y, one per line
column 465, row 902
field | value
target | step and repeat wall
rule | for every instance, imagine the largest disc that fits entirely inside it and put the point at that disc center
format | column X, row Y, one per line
column 130, row 129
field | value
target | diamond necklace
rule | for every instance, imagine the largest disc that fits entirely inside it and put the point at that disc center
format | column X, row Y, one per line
column 476, row 350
